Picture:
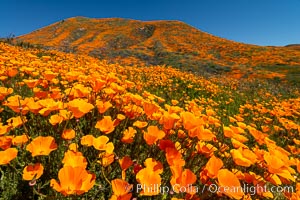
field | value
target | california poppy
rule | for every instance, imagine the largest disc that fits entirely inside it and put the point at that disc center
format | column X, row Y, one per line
column 5, row 92
column 4, row 128
column 125, row 163
column 73, row 180
column 49, row 105
column 74, row 159
column 121, row 190
column 103, row 106
column 31, row 172
column 150, row 108
column 42, row 146
column 169, row 120
column 153, row 134
column 213, row 166
column 101, row 143
column 106, row 159
column 68, row 134
column 8, row 155
column 20, row 140
column 174, row 157
column 106, row 125
column 243, row 157
column 79, row 107
column 140, row 124
column 229, row 184
column 5, row 142
column 128, row 135
column 55, row 119
column 16, row 121
column 87, row 140
column 183, row 179
column 149, row 177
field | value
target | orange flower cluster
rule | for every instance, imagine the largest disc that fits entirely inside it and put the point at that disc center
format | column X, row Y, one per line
column 131, row 130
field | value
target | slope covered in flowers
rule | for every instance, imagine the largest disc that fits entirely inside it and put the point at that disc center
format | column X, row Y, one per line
column 172, row 43
column 76, row 127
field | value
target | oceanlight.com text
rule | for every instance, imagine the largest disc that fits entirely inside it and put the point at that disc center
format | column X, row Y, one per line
column 213, row 188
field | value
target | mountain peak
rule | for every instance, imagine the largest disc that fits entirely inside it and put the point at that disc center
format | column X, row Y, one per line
column 159, row 42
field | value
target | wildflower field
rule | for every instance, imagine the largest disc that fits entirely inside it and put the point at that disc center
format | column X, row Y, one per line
column 75, row 127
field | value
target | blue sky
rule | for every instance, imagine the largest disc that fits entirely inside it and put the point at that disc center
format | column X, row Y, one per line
column 262, row 22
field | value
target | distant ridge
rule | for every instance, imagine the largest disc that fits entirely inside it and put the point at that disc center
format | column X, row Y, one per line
column 174, row 43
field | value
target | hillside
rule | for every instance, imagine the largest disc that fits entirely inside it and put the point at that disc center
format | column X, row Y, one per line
column 293, row 46
column 76, row 127
column 174, row 43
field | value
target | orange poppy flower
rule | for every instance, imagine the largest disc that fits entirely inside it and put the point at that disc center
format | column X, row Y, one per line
column 106, row 125
column 128, row 135
column 31, row 83
column 150, row 108
column 149, row 177
column 68, row 134
column 73, row 147
column 213, row 166
column 41, row 146
column 49, row 105
column 125, row 163
column 205, row 148
column 258, row 135
column 101, row 143
column 49, row 75
column 132, row 111
column 243, row 157
column 153, row 134
column 39, row 93
column 16, row 121
column 5, row 92
column 11, row 72
column 118, row 120
column 66, row 115
column 79, row 107
column 169, row 120
column 163, row 144
column 234, row 132
column 74, row 159
column 121, row 190
column 237, row 144
column 229, row 184
column 183, row 179
column 8, row 155
column 174, row 157
column 55, row 119
column 103, row 106
column 202, row 133
column 97, row 84
column 106, row 159
column 231, row 119
column 4, row 128
column 33, row 106
column 73, row 180
column 140, row 124
column 278, row 166
column 5, row 142
column 190, row 121
column 20, row 140
column 87, row 140
column 237, row 130
column 31, row 172
column 174, row 102
column 17, row 104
